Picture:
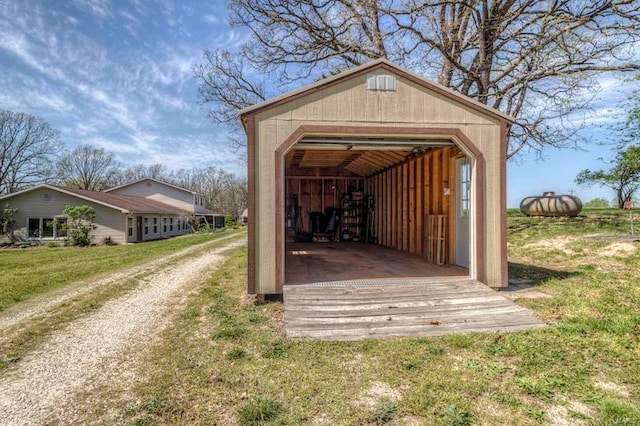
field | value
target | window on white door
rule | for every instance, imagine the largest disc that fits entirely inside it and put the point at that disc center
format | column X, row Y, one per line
column 465, row 188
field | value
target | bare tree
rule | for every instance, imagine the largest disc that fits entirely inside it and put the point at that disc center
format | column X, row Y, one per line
column 224, row 81
column 28, row 147
column 210, row 182
column 535, row 60
column 87, row 167
column 223, row 192
column 138, row 172
column 233, row 199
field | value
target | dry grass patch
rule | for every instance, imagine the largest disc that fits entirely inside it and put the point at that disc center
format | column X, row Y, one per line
column 614, row 388
column 557, row 243
column 377, row 393
column 619, row 249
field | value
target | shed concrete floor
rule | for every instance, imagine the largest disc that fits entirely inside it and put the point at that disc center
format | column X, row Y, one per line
column 322, row 262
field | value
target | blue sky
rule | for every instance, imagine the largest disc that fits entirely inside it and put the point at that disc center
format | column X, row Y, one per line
column 117, row 74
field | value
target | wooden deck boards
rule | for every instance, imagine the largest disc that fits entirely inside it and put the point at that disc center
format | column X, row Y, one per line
column 399, row 308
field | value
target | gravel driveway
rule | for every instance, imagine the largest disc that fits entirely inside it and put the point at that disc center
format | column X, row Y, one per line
column 40, row 388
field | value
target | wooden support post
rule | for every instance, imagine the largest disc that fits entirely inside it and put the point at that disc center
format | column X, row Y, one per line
column 388, row 222
column 419, row 205
column 394, row 207
column 405, row 207
column 397, row 191
column 436, row 195
column 412, row 206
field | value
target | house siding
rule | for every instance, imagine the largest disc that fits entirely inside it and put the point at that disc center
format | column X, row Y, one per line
column 165, row 226
column 110, row 222
column 33, row 204
column 163, row 193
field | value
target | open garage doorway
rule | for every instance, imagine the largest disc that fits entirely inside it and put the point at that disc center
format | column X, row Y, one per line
column 381, row 136
column 366, row 208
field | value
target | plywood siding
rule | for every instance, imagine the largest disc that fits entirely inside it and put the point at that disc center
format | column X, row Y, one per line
column 349, row 103
column 492, row 202
column 265, row 206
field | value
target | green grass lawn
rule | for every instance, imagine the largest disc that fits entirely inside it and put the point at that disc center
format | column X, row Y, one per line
column 28, row 272
column 226, row 360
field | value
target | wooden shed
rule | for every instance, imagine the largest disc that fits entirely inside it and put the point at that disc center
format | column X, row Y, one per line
column 375, row 173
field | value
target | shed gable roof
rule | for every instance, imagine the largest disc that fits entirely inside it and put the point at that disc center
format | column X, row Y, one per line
column 378, row 64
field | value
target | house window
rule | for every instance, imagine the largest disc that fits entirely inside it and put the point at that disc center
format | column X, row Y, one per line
column 47, row 227
column 34, row 227
column 146, row 226
column 171, row 224
column 155, row 225
column 43, row 227
column 130, row 226
column 178, row 227
column 164, row 224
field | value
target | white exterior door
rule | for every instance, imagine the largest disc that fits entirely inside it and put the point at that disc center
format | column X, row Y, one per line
column 463, row 211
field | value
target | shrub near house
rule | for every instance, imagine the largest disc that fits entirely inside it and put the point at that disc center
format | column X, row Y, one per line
column 78, row 225
column 6, row 221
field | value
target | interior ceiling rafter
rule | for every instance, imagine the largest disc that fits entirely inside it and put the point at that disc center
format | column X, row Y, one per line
column 362, row 156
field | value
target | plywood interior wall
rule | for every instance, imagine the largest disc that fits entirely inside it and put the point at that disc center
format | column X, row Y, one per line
column 405, row 194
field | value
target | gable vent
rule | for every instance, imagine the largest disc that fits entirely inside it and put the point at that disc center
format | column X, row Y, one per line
column 381, row 82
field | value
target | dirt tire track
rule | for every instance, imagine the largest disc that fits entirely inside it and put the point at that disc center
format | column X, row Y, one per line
column 40, row 305
column 43, row 384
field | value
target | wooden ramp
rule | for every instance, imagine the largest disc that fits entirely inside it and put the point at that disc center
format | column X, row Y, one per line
column 399, row 307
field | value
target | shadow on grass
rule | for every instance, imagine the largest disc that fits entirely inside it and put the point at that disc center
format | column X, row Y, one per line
column 535, row 275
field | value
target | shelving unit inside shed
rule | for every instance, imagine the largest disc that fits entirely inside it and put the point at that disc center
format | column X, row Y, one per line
column 319, row 195
column 353, row 217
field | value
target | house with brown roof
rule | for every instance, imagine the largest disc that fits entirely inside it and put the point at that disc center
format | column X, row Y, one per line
column 139, row 211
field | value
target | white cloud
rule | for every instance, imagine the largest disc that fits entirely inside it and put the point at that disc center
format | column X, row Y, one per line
column 99, row 8
column 230, row 40
column 211, row 19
